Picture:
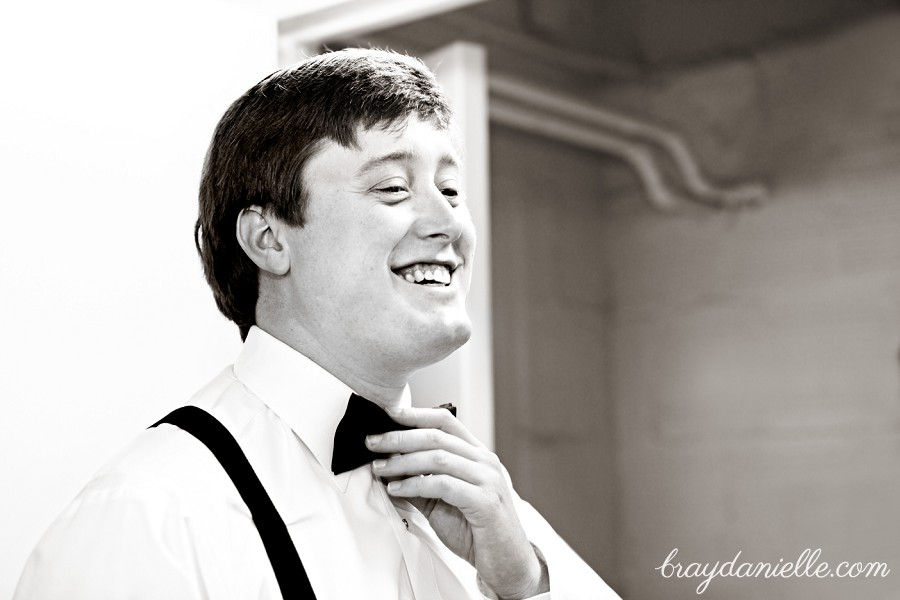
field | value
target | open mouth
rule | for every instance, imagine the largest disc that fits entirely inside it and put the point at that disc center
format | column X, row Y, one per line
column 431, row 274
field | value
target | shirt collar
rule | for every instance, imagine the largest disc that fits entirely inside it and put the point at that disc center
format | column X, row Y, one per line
column 308, row 398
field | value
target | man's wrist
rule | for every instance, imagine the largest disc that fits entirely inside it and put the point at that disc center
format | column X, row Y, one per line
column 541, row 579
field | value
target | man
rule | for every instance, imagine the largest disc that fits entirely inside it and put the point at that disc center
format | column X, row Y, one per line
column 334, row 232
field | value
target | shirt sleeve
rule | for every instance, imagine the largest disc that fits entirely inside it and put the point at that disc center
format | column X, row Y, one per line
column 570, row 577
column 113, row 543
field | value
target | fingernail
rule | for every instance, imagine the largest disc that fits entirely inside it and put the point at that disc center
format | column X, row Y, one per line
column 394, row 486
column 374, row 439
column 379, row 464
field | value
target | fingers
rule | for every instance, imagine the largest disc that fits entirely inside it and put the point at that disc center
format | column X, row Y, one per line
column 431, row 462
column 466, row 496
column 418, row 440
column 430, row 418
column 457, row 468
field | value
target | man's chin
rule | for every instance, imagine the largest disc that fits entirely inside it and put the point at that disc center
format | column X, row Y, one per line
column 455, row 340
column 438, row 344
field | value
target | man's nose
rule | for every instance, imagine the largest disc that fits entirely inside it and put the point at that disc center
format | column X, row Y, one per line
column 437, row 217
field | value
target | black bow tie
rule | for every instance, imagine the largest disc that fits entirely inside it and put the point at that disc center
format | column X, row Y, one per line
column 362, row 418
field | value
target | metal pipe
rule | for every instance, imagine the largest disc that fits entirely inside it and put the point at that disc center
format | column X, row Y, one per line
column 609, row 122
column 637, row 156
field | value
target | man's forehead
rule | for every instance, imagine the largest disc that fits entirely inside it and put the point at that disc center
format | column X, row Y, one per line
column 407, row 155
column 410, row 141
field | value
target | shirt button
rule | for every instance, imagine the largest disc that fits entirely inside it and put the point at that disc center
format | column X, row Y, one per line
column 405, row 522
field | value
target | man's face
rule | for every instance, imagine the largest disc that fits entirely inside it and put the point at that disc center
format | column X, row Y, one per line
column 380, row 271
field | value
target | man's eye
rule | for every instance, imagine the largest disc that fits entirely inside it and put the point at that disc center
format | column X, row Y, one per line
column 452, row 196
column 392, row 189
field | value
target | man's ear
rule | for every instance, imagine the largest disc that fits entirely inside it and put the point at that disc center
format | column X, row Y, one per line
column 260, row 234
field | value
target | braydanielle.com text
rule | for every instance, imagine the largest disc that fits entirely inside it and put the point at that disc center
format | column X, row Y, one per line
column 807, row 565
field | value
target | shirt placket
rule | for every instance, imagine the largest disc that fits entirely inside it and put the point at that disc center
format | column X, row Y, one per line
column 416, row 556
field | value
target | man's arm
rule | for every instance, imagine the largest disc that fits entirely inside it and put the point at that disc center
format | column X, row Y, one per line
column 113, row 542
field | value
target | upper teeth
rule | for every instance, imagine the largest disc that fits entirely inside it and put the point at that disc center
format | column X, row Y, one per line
column 425, row 272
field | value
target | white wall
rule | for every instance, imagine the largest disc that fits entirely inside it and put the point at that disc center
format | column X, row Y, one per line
column 106, row 109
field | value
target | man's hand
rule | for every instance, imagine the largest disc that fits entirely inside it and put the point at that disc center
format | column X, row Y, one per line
column 461, row 487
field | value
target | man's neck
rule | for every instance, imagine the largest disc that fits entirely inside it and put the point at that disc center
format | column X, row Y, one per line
column 381, row 388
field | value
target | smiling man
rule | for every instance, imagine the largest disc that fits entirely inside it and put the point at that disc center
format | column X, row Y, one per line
column 373, row 288
column 334, row 232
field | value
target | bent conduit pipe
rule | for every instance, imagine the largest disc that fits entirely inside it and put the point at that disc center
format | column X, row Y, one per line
column 637, row 156
column 512, row 100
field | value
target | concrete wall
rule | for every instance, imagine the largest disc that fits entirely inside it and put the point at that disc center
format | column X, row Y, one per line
column 715, row 382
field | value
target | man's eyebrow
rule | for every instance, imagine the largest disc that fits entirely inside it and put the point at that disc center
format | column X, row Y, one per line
column 446, row 160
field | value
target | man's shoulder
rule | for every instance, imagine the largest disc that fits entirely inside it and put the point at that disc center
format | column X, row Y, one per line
column 169, row 464
column 160, row 465
column 158, row 520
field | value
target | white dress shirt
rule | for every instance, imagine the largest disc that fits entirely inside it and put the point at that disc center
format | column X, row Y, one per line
column 163, row 519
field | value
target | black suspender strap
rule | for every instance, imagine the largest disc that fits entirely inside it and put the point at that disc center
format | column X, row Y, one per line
column 289, row 571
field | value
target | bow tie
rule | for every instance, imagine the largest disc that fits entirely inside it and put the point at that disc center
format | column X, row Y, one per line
column 362, row 418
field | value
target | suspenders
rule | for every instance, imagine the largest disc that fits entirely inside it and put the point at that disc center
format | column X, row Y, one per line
column 289, row 571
